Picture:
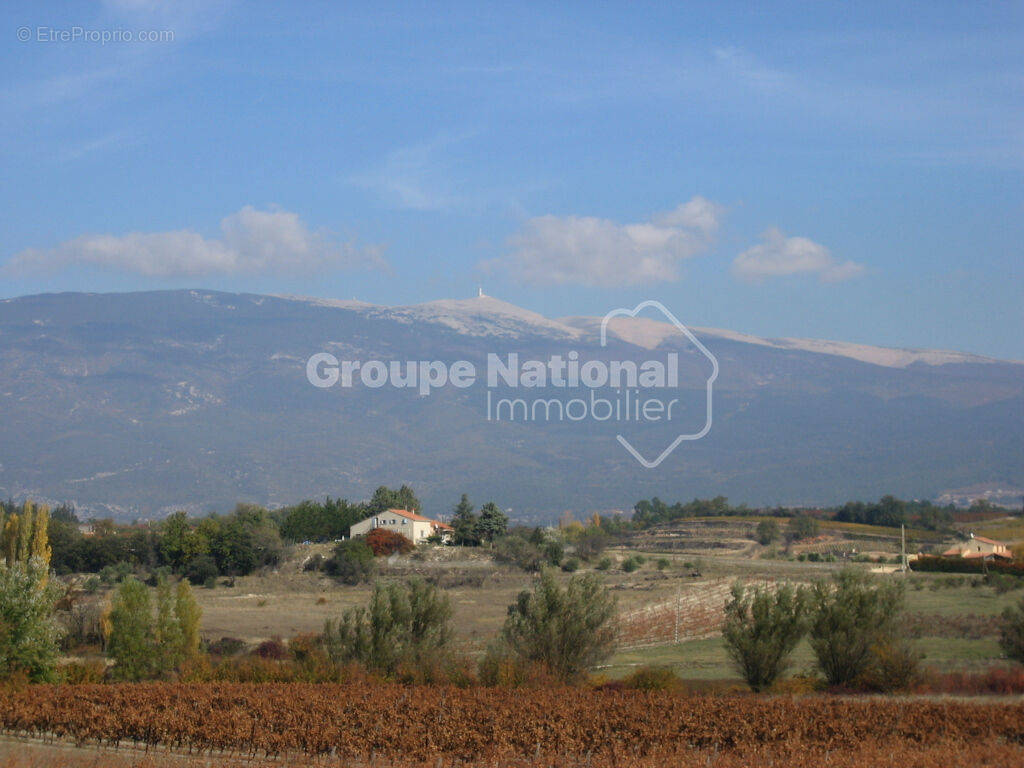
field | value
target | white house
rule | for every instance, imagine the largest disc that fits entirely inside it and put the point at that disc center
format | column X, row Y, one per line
column 980, row 547
column 414, row 527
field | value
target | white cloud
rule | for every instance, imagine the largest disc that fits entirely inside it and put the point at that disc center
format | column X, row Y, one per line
column 251, row 242
column 554, row 250
column 779, row 255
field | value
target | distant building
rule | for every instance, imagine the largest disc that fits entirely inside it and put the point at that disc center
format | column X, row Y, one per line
column 414, row 527
column 979, row 547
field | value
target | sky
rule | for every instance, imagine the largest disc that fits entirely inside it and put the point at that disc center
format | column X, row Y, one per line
column 848, row 171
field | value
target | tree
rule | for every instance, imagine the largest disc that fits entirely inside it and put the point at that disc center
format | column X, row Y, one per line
column 385, row 498
column 802, row 527
column 592, row 542
column 1011, row 633
column 767, row 532
column 29, row 635
column 144, row 645
column 24, row 535
column 567, row 629
column 762, row 627
column 492, row 522
column 464, row 523
column 403, row 623
column 855, row 628
column 129, row 642
column 180, row 542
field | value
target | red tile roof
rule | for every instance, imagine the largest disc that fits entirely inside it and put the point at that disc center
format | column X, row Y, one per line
column 420, row 518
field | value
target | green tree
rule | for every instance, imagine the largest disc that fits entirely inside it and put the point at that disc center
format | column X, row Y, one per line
column 492, row 523
column 855, row 629
column 29, row 635
column 145, row 645
column 180, row 542
column 130, row 640
column 465, row 523
column 762, row 627
column 385, row 498
column 569, row 629
column 1011, row 632
column 403, row 623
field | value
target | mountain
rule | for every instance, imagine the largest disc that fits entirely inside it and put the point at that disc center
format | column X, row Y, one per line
column 136, row 404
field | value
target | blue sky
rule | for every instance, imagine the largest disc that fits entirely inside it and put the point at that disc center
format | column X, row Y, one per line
column 846, row 171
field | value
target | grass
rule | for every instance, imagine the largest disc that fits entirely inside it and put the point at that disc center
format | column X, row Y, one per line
column 1009, row 530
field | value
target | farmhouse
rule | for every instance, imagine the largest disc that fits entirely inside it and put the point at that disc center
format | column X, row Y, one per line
column 414, row 527
column 979, row 547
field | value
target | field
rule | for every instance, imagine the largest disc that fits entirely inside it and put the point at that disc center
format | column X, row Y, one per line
column 669, row 616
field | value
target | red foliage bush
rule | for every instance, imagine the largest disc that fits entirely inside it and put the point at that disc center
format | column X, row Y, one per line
column 385, row 542
column 272, row 649
column 1002, row 681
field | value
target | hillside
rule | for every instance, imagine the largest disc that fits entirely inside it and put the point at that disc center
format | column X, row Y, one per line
column 139, row 403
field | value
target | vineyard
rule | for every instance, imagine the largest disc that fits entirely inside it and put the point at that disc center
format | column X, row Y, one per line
column 384, row 723
column 695, row 613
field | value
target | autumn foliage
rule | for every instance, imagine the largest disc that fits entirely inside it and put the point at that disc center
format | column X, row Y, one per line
column 384, row 542
column 363, row 719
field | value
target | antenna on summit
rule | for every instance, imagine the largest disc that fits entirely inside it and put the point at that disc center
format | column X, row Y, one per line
column 480, row 292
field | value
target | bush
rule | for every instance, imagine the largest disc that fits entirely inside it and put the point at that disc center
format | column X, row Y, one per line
column 632, row 563
column 83, row 672
column 384, row 542
column 1011, row 633
column 604, row 564
column 591, row 543
column 571, row 565
column 761, row 630
column 662, row 563
column 567, row 629
column 653, row 679
column 856, row 631
column 352, row 562
column 519, row 552
column 767, row 532
column 201, row 569
column 226, row 646
column 315, row 563
column 273, row 649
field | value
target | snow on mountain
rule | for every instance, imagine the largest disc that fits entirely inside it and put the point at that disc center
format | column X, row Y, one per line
column 487, row 316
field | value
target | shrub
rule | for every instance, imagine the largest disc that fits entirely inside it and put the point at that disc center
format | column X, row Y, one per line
column 571, row 565
column 352, row 562
column 519, row 552
column 384, row 542
column 933, row 563
column 604, row 564
column 767, row 532
column 1011, row 633
column 632, row 563
column 201, row 569
column 761, row 630
column 661, row 563
column 315, row 563
column 273, row 649
column 226, row 646
column 653, row 679
column 567, row 629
